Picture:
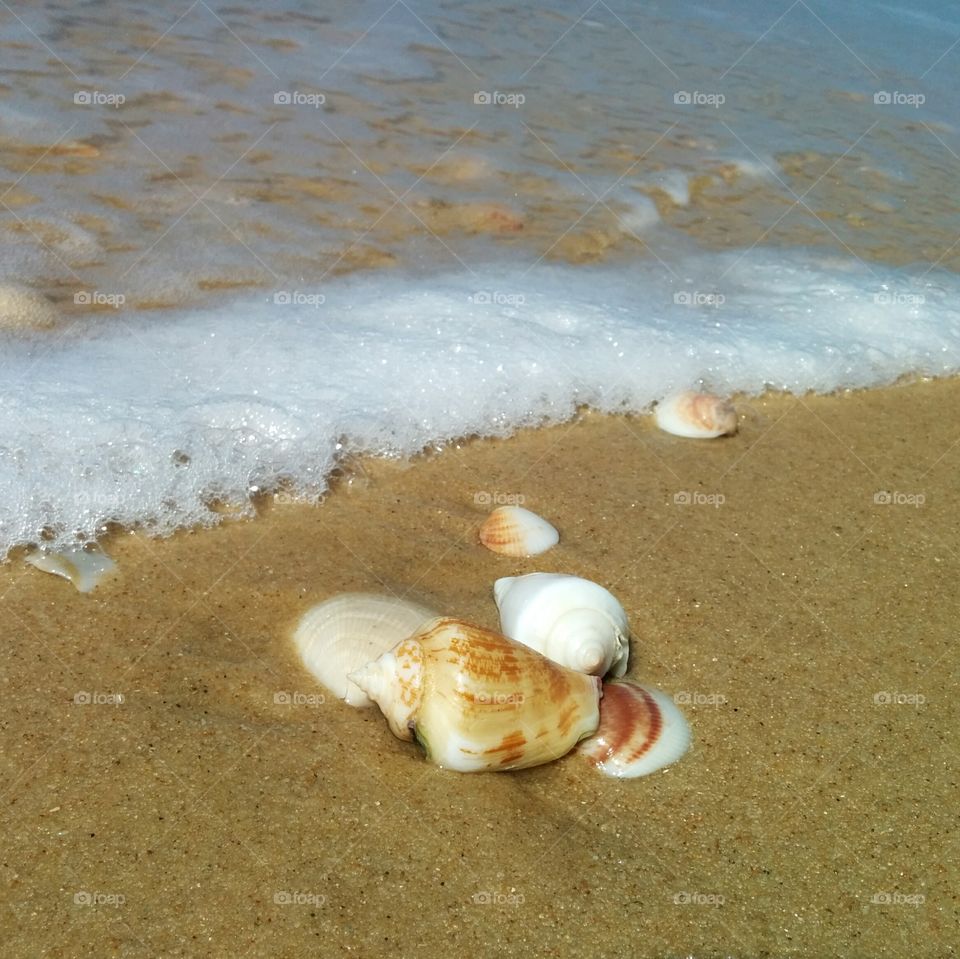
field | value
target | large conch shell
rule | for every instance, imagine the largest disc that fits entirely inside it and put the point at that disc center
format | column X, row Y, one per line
column 573, row 621
column 343, row 633
column 476, row 700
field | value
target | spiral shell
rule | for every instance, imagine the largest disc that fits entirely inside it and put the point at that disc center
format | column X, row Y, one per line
column 696, row 415
column 641, row 730
column 515, row 531
column 343, row 633
column 476, row 700
column 573, row 621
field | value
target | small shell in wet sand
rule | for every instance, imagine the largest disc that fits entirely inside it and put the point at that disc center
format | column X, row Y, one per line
column 84, row 566
column 696, row 415
column 641, row 730
column 515, row 531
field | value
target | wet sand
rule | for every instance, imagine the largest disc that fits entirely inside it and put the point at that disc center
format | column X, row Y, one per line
column 175, row 784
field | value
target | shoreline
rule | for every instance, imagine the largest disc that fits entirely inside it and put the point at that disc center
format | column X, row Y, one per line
column 787, row 608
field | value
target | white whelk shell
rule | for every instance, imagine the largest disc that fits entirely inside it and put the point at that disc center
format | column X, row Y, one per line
column 573, row 621
column 641, row 730
column 515, row 531
column 696, row 415
column 84, row 566
column 344, row 633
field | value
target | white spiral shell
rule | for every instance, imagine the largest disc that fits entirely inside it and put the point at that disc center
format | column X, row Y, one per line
column 338, row 636
column 573, row 621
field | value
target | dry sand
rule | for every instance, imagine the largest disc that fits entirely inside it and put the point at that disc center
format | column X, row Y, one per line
column 221, row 809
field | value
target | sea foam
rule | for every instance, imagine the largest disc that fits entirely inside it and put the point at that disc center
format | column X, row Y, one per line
column 147, row 419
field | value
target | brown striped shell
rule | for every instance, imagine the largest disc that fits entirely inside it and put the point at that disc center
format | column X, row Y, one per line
column 515, row 531
column 476, row 700
column 641, row 730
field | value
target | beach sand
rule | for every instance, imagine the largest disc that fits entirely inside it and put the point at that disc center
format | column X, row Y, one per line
column 223, row 808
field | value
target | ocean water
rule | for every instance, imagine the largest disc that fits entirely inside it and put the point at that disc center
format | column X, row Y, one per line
column 271, row 237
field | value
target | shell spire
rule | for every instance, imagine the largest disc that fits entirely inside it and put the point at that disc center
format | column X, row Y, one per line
column 394, row 682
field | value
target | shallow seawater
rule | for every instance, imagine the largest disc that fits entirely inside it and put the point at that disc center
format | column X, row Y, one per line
column 538, row 209
column 168, row 158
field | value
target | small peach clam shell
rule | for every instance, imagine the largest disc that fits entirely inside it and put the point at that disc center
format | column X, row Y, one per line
column 696, row 415
column 515, row 531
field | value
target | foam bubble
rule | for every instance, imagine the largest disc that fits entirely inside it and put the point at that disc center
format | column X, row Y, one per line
column 150, row 420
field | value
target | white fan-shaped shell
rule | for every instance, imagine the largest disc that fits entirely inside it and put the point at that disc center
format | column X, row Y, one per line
column 515, row 531
column 344, row 633
column 696, row 415
column 573, row 621
column 641, row 730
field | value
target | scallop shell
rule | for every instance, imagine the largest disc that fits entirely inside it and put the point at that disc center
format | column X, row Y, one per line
column 641, row 730
column 573, row 621
column 696, row 415
column 515, row 531
column 478, row 701
column 340, row 635
column 84, row 566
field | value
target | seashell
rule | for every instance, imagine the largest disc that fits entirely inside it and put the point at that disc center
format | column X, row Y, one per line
column 515, row 531
column 22, row 308
column 476, row 700
column 641, row 730
column 573, row 621
column 696, row 415
column 345, row 632
column 84, row 566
